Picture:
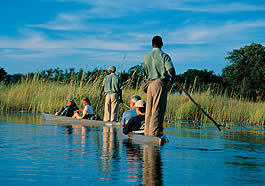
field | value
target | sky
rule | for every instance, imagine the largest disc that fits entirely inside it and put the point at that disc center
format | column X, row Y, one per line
column 89, row 34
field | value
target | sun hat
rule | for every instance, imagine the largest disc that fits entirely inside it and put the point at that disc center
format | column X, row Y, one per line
column 140, row 103
column 71, row 100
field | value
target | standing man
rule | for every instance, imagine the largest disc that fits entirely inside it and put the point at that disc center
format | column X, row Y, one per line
column 157, row 66
column 112, row 87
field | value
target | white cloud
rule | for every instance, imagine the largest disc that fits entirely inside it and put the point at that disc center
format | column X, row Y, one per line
column 210, row 6
column 221, row 8
column 37, row 40
column 190, row 34
column 107, row 10
column 63, row 22
column 97, row 42
column 39, row 45
column 200, row 34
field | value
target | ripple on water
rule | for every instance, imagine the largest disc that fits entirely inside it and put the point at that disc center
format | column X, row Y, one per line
column 34, row 153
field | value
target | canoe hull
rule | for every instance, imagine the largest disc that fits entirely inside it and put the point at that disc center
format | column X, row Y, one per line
column 69, row 120
column 140, row 138
column 135, row 137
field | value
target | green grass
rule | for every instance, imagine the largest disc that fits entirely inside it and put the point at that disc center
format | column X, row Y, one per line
column 49, row 96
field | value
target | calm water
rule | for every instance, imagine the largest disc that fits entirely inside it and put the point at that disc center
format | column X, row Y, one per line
column 35, row 152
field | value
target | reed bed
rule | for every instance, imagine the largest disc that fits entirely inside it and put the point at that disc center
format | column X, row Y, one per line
column 36, row 95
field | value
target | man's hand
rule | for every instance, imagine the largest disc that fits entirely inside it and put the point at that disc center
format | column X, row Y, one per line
column 173, row 74
column 100, row 94
column 174, row 79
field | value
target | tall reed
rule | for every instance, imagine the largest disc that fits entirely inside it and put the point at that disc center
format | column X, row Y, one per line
column 49, row 96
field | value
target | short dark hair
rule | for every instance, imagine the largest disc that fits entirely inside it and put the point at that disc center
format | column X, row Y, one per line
column 157, row 41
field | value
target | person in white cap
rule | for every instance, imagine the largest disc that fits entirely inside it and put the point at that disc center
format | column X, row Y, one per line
column 137, row 122
column 112, row 87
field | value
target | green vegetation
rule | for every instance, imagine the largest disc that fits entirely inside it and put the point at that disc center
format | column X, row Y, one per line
column 245, row 77
column 49, row 96
column 237, row 95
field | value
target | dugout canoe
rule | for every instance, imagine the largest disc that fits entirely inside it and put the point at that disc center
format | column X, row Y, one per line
column 139, row 137
column 136, row 136
column 84, row 122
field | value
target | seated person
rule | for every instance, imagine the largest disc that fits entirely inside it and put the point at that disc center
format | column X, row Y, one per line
column 136, row 122
column 68, row 110
column 87, row 112
column 130, row 113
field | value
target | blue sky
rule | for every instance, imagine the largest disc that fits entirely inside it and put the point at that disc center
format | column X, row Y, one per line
column 43, row 34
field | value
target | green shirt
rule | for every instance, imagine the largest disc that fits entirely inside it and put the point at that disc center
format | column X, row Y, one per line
column 156, row 65
column 112, row 84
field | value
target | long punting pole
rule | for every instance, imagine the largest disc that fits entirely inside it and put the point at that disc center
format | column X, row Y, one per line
column 199, row 107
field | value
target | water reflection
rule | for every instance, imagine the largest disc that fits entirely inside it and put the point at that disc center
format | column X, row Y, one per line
column 236, row 134
column 21, row 117
column 72, row 154
column 144, row 163
column 152, row 171
column 109, row 139
column 108, row 154
column 80, row 130
column 77, row 134
column 134, row 159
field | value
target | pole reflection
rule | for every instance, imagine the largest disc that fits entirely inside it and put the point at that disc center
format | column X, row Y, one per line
column 144, row 164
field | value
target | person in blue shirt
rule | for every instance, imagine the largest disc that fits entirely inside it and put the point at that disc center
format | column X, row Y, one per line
column 136, row 123
column 130, row 113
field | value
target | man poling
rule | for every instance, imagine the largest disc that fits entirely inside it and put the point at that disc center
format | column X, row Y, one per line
column 156, row 66
column 112, row 87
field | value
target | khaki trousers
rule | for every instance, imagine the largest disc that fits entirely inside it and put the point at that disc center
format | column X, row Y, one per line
column 111, row 107
column 155, row 108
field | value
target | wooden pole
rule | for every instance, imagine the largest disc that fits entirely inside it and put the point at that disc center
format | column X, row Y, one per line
column 198, row 106
column 126, row 105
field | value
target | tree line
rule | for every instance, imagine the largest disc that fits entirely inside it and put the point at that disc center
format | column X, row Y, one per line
column 243, row 77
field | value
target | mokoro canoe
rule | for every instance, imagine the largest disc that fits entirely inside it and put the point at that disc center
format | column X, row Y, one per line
column 85, row 122
column 139, row 137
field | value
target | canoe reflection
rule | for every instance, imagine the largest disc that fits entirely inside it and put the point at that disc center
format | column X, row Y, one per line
column 144, row 163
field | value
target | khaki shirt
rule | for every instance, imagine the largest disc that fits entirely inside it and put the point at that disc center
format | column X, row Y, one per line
column 112, row 84
column 156, row 65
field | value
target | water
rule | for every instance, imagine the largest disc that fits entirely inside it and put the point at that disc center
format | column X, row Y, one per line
column 33, row 152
